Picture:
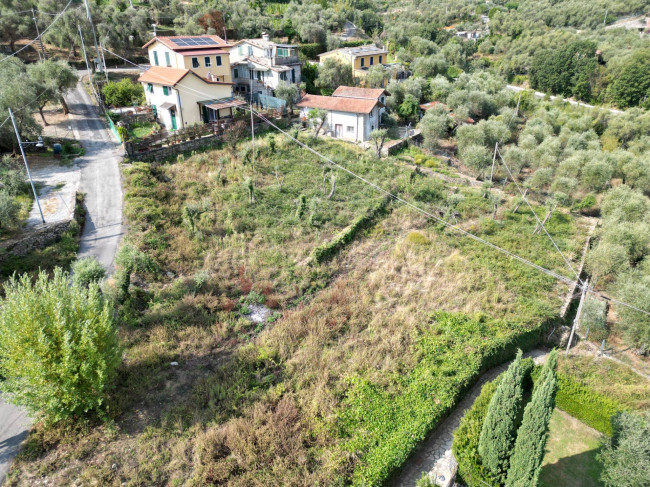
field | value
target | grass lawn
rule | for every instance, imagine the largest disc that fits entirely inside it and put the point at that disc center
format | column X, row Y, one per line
column 571, row 454
column 141, row 130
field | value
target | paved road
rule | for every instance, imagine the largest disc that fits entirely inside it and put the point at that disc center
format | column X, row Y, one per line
column 539, row 94
column 100, row 180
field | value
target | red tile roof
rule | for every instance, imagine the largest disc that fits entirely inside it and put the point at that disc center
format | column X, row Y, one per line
column 338, row 103
column 354, row 92
column 168, row 41
column 163, row 76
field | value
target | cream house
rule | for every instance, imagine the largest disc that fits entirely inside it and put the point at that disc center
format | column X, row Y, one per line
column 205, row 55
column 181, row 98
column 362, row 58
column 348, row 118
column 264, row 64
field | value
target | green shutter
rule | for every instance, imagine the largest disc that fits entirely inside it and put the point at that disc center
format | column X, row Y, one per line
column 155, row 58
column 169, row 63
column 165, row 90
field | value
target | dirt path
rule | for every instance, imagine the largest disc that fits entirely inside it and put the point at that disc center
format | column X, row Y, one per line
column 434, row 456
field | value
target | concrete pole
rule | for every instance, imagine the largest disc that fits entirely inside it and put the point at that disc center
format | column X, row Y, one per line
column 29, row 175
column 576, row 320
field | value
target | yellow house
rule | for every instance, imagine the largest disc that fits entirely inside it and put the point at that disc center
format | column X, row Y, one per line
column 361, row 58
column 206, row 55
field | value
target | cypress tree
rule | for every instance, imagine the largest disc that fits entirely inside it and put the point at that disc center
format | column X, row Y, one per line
column 526, row 460
column 500, row 425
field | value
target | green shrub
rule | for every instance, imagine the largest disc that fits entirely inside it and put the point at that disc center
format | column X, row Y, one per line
column 311, row 51
column 326, row 251
column 123, row 93
column 59, row 348
column 86, row 271
column 417, row 238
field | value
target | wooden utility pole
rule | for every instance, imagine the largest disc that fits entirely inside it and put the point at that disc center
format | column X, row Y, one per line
column 576, row 320
column 538, row 228
column 494, row 158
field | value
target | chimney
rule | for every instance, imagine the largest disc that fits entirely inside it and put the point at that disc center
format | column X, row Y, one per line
column 265, row 36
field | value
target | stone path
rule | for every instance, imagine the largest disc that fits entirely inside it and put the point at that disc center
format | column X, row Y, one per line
column 434, row 456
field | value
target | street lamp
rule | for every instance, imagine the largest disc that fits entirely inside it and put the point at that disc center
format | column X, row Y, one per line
column 22, row 151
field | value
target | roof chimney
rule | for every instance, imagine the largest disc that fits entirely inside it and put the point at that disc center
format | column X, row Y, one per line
column 265, row 36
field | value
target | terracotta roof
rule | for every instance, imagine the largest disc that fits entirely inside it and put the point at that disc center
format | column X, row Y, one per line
column 354, row 92
column 338, row 103
column 169, row 42
column 171, row 76
column 163, row 76
column 431, row 104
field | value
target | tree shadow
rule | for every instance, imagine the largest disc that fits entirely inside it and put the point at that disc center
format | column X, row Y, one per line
column 580, row 470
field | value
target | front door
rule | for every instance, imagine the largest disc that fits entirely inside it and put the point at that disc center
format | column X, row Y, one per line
column 172, row 114
column 338, row 130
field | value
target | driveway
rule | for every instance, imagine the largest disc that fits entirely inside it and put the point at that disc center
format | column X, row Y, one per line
column 539, row 94
column 100, row 179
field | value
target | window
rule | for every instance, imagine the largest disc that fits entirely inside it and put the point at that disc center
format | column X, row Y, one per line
column 236, row 73
column 350, row 129
column 240, row 50
column 207, row 61
column 195, row 62
column 372, row 127
column 149, row 87
column 155, row 58
column 259, row 76
column 218, row 58
column 293, row 75
column 250, row 50
column 283, row 75
column 380, row 57
column 166, row 90
column 167, row 60
column 382, row 99
column 363, row 62
column 283, row 52
column 372, row 60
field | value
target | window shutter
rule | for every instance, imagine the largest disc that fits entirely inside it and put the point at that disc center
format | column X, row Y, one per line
column 165, row 90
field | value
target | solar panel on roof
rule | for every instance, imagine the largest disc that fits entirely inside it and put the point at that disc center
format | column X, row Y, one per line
column 194, row 41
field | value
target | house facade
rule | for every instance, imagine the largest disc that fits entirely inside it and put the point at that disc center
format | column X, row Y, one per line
column 362, row 58
column 347, row 118
column 262, row 65
column 206, row 55
column 377, row 94
column 181, row 98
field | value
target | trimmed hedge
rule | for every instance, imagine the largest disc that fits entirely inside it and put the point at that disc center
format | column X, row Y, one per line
column 326, row 251
column 311, row 51
column 383, row 427
column 572, row 397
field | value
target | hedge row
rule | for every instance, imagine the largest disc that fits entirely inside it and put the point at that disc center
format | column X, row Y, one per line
column 311, row 51
column 572, row 397
column 326, row 251
column 384, row 427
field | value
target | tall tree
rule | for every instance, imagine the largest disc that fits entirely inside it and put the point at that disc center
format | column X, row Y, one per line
column 16, row 95
column 54, row 79
column 500, row 425
column 526, row 459
column 15, row 24
column 332, row 74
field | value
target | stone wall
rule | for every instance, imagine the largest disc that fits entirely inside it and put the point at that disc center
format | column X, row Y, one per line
column 163, row 153
column 37, row 239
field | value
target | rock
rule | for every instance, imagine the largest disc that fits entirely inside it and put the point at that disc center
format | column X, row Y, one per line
column 173, row 364
column 259, row 313
column 170, row 274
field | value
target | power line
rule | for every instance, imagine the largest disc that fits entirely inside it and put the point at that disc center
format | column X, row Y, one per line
column 465, row 233
column 40, row 35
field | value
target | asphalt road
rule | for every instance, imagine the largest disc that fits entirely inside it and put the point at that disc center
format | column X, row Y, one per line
column 100, row 181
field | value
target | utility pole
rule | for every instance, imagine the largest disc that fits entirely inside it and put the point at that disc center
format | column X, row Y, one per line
column 605, row 19
column 494, row 158
column 576, row 320
column 22, row 151
column 92, row 27
column 41, row 54
column 104, row 61
column 252, row 72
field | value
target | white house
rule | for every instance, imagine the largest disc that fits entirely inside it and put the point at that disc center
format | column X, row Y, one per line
column 181, row 98
column 378, row 94
column 264, row 64
column 347, row 118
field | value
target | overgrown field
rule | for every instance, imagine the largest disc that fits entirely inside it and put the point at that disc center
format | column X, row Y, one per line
column 362, row 354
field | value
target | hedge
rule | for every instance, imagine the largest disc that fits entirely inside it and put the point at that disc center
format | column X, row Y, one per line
column 383, row 427
column 572, row 397
column 326, row 251
column 311, row 51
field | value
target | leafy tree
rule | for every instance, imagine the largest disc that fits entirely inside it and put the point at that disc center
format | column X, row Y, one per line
column 499, row 429
column 528, row 453
column 123, row 93
column 429, row 66
column 632, row 84
column 289, row 93
column 86, row 271
column 409, row 108
column 634, row 288
column 435, row 125
column 59, row 348
column 332, row 74
column 626, row 455
column 378, row 136
column 15, row 95
column 14, row 25
column 477, row 157
column 376, row 76
column 607, row 258
column 129, row 260
column 318, row 118
column 55, row 78
column 624, row 204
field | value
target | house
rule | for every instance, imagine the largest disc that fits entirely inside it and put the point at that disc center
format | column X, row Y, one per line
column 264, row 64
column 362, row 58
column 181, row 98
column 205, row 55
column 377, row 94
column 347, row 118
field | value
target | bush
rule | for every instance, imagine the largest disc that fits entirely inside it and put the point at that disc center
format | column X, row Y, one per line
column 9, row 210
column 86, row 271
column 123, row 93
column 59, row 349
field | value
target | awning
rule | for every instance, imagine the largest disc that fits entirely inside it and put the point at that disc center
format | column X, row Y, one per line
column 223, row 103
column 167, row 105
